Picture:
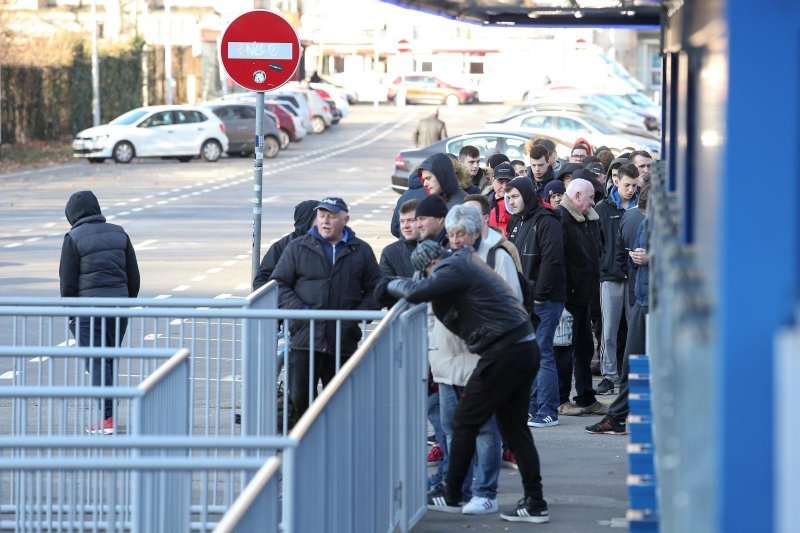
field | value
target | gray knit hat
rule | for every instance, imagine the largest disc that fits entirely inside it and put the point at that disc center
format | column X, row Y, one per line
column 425, row 252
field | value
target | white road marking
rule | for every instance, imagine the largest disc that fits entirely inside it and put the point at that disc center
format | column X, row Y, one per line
column 215, row 270
column 181, row 288
column 163, row 296
column 198, row 278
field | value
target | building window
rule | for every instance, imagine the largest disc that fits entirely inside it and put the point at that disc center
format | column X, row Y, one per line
column 426, row 66
column 476, row 68
column 654, row 65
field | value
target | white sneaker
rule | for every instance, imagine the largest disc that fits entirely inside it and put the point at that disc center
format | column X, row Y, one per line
column 478, row 505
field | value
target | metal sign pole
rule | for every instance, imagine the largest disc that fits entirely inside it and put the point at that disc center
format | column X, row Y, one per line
column 257, row 182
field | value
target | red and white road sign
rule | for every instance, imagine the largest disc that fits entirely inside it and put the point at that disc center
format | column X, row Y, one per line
column 260, row 50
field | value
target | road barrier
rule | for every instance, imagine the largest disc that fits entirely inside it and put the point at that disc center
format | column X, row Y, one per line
column 359, row 454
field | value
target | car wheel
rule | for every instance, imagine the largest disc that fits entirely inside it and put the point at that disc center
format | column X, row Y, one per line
column 285, row 139
column 271, row 147
column 96, row 159
column 451, row 100
column 317, row 124
column 123, row 152
column 184, row 159
column 211, row 150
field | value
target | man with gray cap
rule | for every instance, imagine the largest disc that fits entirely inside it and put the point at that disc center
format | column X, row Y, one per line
column 474, row 302
column 327, row 268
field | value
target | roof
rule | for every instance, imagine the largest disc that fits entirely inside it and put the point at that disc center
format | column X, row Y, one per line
column 549, row 13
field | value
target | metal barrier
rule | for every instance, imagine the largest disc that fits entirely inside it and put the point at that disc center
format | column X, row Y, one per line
column 359, row 459
column 787, row 427
column 233, row 344
column 159, row 404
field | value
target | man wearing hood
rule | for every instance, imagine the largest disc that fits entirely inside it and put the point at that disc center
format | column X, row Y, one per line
column 304, row 215
column 327, row 268
column 582, row 256
column 415, row 191
column 612, row 275
column 536, row 232
column 439, row 178
column 613, row 168
column 97, row 260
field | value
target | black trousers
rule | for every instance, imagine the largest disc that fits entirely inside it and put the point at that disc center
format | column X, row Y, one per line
column 100, row 332
column 634, row 345
column 298, row 379
column 500, row 385
column 564, row 369
column 583, row 350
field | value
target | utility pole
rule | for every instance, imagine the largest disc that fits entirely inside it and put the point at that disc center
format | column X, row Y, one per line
column 95, row 70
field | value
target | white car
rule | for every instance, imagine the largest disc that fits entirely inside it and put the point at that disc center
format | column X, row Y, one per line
column 180, row 131
column 572, row 125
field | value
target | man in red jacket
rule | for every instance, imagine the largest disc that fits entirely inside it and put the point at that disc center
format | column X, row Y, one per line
column 499, row 215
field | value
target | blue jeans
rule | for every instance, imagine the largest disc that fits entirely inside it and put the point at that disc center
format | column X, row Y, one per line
column 487, row 447
column 544, row 393
column 435, row 420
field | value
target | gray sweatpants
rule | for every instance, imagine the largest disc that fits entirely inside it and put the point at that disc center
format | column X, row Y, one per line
column 612, row 304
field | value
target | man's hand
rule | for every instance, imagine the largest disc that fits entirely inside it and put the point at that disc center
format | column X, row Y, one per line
column 639, row 256
column 400, row 288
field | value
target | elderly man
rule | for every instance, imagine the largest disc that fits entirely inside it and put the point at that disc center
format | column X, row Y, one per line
column 474, row 302
column 327, row 268
column 582, row 257
column 499, row 215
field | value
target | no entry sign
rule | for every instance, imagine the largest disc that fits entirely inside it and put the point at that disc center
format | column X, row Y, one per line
column 260, row 50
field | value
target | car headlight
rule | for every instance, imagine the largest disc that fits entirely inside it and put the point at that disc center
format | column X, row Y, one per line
column 99, row 141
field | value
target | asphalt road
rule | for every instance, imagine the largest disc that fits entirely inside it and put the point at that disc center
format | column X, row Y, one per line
column 191, row 223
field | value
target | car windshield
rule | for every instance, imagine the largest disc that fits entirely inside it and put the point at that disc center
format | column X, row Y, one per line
column 130, row 117
column 599, row 125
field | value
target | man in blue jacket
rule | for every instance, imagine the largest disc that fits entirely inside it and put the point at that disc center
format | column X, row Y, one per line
column 328, row 268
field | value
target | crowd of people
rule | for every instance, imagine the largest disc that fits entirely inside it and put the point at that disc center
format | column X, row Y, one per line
column 532, row 272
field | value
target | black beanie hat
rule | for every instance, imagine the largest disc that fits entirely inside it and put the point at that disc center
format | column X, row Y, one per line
column 432, row 206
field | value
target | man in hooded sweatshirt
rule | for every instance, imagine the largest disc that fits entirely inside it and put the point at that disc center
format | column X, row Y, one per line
column 327, row 268
column 536, row 232
column 439, row 178
column 97, row 260
column 304, row 215
column 415, row 191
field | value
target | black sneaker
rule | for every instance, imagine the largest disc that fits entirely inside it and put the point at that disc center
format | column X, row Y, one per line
column 605, row 387
column 607, row 426
column 440, row 499
column 528, row 510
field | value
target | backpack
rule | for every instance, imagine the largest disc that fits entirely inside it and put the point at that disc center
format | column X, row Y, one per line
column 524, row 284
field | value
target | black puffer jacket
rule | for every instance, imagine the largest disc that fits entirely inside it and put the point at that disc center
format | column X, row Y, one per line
column 472, row 301
column 581, row 252
column 610, row 213
column 440, row 166
column 97, row 258
column 537, row 235
column 307, row 280
column 396, row 259
column 304, row 215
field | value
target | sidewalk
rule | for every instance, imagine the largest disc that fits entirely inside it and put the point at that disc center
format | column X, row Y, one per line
column 584, row 484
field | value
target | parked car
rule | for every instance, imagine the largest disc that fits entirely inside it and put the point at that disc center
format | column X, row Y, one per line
column 240, row 124
column 180, row 131
column 426, row 88
column 588, row 109
column 286, row 123
column 299, row 133
column 573, row 125
column 330, row 92
column 510, row 143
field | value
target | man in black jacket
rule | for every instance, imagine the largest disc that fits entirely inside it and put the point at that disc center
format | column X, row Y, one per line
column 474, row 302
column 328, row 268
column 304, row 215
column 396, row 258
column 439, row 178
column 536, row 233
column 97, row 260
column 582, row 257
